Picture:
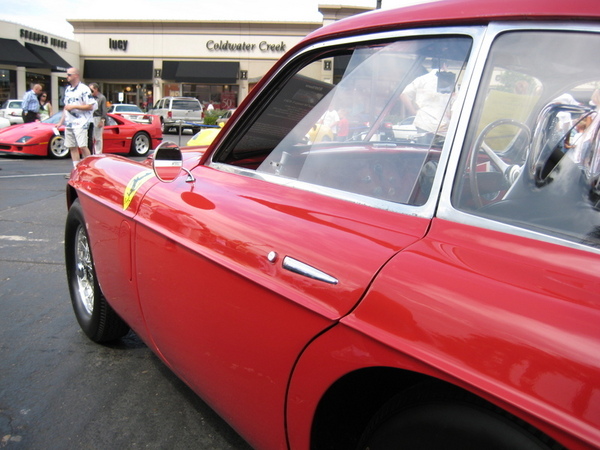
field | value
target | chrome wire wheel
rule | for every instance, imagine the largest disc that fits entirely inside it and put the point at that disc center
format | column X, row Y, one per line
column 96, row 317
column 84, row 271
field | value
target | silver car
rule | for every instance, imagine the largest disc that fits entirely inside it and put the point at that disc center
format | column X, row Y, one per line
column 11, row 110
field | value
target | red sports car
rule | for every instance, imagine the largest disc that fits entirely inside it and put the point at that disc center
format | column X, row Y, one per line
column 438, row 289
column 120, row 136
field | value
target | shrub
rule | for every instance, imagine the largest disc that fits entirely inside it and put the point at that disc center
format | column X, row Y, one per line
column 210, row 117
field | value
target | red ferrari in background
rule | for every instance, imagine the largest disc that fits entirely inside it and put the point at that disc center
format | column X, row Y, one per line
column 120, row 136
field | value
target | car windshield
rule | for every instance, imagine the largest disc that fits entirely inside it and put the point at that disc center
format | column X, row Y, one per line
column 126, row 108
column 54, row 118
column 12, row 104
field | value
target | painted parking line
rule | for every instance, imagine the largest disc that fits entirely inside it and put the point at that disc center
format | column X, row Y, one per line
column 35, row 175
column 21, row 239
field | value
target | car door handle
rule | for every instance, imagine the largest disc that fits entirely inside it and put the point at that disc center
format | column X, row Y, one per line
column 293, row 265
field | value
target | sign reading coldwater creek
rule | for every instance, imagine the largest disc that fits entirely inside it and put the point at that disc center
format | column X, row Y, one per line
column 227, row 46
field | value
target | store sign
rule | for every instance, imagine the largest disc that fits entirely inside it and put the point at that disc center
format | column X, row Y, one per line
column 264, row 47
column 118, row 44
column 42, row 39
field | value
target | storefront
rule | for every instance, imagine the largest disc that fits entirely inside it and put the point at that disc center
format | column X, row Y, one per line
column 217, row 62
column 140, row 62
column 29, row 57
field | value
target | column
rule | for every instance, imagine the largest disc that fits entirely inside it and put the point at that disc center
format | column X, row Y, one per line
column 21, row 82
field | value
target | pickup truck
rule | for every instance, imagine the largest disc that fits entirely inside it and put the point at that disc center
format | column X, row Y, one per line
column 179, row 112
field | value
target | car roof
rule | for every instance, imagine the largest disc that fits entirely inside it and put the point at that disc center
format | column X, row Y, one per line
column 455, row 12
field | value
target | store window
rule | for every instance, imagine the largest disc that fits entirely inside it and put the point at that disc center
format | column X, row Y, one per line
column 221, row 96
column 133, row 94
column 36, row 78
column 8, row 84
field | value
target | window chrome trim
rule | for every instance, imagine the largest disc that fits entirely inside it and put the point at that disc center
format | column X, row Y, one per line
column 446, row 210
column 475, row 32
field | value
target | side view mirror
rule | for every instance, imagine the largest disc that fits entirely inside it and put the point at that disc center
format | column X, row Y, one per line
column 168, row 163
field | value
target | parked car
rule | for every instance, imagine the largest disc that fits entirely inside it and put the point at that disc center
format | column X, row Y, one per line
column 225, row 117
column 4, row 123
column 11, row 110
column 441, row 292
column 118, row 108
column 205, row 136
column 179, row 113
column 120, row 135
column 131, row 112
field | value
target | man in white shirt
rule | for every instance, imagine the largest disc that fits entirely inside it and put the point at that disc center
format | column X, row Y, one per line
column 428, row 98
column 77, row 115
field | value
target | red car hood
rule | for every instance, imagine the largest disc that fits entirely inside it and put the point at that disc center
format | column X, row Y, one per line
column 16, row 132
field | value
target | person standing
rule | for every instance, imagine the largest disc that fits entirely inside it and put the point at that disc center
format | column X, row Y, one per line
column 99, row 117
column 45, row 106
column 77, row 115
column 31, row 104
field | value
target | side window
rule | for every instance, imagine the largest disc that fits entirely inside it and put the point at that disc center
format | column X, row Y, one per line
column 368, row 120
column 532, row 150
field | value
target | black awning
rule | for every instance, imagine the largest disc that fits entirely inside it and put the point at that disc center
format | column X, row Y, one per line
column 49, row 56
column 96, row 69
column 13, row 53
column 201, row 71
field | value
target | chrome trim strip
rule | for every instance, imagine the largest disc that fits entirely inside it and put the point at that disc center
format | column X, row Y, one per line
column 293, row 265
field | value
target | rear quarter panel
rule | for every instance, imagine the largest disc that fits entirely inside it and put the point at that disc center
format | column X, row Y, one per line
column 512, row 320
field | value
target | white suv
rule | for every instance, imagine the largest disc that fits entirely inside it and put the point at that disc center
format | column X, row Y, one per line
column 179, row 113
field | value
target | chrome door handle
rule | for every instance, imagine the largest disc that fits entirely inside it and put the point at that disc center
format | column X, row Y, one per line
column 293, row 265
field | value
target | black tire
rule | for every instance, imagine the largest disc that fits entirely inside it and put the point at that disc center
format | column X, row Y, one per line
column 95, row 316
column 436, row 417
column 140, row 144
column 56, row 148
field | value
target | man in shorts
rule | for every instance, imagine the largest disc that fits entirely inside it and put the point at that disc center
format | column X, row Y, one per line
column 77, row 115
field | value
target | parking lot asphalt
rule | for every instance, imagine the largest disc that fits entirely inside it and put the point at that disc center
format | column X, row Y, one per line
column 57, row 388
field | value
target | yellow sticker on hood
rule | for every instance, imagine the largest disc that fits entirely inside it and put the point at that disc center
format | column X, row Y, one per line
column 134, row 184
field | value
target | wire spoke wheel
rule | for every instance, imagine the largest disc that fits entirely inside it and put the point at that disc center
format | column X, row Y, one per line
column 84, row 271
column 96, row 317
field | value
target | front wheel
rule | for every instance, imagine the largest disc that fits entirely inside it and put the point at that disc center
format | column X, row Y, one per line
column 436, row 417
column 56, row 148
column 140, row 144
column 95, row 316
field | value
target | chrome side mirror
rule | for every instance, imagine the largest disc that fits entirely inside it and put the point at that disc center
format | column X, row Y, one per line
column 168, row 163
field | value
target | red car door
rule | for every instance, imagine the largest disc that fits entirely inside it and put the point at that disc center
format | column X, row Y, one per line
column 221, row 293
column 284, row 228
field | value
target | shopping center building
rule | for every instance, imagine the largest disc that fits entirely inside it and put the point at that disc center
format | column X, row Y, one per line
column 140, row 62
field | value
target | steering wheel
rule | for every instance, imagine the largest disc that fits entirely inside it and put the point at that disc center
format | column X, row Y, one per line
column 510, row 172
